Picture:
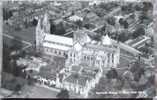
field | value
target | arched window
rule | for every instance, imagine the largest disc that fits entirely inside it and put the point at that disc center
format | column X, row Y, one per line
column 84, row 57
column 70, row 54
column 59, row 52
column 112, row 58
column 55, row 51
column 88, row 58
column 52, row 50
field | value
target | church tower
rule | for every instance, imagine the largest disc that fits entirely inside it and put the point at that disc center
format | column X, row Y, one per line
column 46, row 24
column 39, row 35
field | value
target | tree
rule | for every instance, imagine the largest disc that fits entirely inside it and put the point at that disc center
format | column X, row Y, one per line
column 103, row 29
column 137, row 7
column 123, row 37
column 112, row 74
column 123, row 22
column 147, row 6
column 63, row 94
column 137, row 70
column 111, row 21
column 72, row 13
column 7, row 14
column 18, row 87
column 102, row 5
column 127, row 8
column 144, row 17
column 119, row 83
column 60, row 29
column 147, row 49
column 6, row 59
column 151, row 91
column 79, row 23
column 34, row 22
column 138, row 32
column 26, row 24
column 30, row 79
column 152, row 41
column 52, row 28
column 128, row 75
column 87, row 26
column 126, row 25
column 151, row 81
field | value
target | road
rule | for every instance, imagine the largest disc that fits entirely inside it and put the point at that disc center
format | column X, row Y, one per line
column 26, row 34
column 35, row 92
column 28, row 44
column 11, row 37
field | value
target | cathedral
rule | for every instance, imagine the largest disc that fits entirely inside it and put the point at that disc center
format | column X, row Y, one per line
column 81, row 49
column 86, row 58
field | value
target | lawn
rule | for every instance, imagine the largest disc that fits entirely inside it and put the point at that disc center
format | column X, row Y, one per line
column 41, row 92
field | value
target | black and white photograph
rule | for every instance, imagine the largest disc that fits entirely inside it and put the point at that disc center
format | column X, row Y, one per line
column 78, row 49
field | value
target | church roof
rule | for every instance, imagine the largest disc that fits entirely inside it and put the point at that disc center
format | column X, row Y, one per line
column 75, row 18
column 83, row 36
column 59, row 39
column 56, row 46
column 57, row 42
column 45, row 19
column 106, row 40
column 77, row 79
column 100, row 47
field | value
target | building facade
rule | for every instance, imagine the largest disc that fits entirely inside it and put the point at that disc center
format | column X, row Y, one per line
column 81, row 50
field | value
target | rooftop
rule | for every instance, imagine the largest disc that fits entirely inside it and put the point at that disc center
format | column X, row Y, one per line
column 56, row 46
column 59, row 39
column 106, row 40
column 87, row 71
column 76, row 68
column 107, row 48
column 75, row 18
column 77, row 79
column 48, row 75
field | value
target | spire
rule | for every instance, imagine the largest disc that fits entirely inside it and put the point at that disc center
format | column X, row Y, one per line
column 106, row 40
column 45, row 17
column 38, row 34
column 88, row 39
column 45, row 20
column 39, row 24
column 46, row 24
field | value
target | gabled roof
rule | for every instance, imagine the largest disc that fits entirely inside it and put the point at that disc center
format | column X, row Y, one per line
column 106, row 40
column 56, row 46
column 75, row 18
column 59, row 39
column 77, row 79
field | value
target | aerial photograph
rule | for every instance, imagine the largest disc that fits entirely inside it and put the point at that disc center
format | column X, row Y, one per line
column 78, row 49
